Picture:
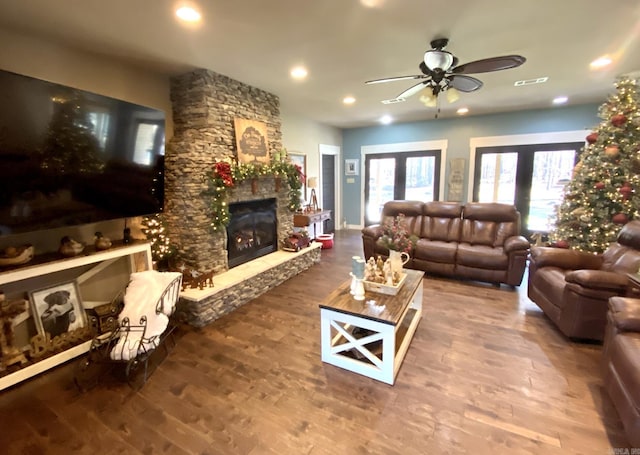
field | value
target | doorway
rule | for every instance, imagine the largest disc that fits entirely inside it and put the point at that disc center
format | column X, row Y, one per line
column 532, row 177
column 396, row 176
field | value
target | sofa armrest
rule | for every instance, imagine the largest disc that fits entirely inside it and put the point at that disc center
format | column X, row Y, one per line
column 598, row 279
column 374, row 231
column 516, row 243
column 624, row 313
column 370, row 236
column 565, row 259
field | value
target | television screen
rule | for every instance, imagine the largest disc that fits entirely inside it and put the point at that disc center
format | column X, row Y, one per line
column 70, row 157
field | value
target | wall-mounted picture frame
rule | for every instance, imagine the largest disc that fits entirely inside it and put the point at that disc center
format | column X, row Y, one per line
column 252, row 141
column 300, row 160
column 57, row 309
column 351, row 167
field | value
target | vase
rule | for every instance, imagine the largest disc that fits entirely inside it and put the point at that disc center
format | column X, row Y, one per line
column 397, row 259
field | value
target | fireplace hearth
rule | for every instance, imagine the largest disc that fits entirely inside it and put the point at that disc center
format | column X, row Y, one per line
column 252, row 231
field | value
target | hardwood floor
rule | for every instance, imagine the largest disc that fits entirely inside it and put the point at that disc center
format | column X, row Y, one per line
column 486, row 373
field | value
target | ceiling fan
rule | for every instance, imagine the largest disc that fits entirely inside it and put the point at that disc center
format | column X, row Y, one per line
column 440, row 73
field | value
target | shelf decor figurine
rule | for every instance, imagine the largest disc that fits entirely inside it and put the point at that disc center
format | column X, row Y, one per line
column 102, row 242
column 69, row 247
column 16, row 255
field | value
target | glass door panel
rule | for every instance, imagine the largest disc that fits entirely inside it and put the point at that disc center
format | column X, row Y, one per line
column 420, row 181
column 498, row 177
column 551, row 171
column 381, row 184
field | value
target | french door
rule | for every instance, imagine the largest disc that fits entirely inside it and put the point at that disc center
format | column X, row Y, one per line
column 393, row 176
column 532, row 177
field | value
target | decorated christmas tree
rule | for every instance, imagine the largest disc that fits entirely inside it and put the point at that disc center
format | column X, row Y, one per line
column 153, row 227
column 604, row 192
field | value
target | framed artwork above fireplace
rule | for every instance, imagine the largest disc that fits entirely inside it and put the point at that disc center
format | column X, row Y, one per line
column 251, row 141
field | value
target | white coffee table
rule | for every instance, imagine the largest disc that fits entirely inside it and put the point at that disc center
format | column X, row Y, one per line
column 371, row 337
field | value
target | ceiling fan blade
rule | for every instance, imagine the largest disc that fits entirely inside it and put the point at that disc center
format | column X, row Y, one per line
column 464, row 83
column 489, row 64
column 412, row 90
column 393, row 79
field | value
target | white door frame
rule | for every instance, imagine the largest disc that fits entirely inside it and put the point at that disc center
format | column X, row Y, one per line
column 402, row 147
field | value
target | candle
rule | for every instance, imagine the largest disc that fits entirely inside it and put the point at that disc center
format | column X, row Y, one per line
column 354, row 264
column 359, row 273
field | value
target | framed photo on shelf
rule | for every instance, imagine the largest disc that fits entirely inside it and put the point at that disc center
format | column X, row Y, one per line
column 300, row 160
column 57, row 309
column 351, row 167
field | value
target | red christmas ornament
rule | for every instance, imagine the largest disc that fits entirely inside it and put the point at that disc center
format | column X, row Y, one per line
column 561, row 244
column 618, row 120
column 599, row 185
column 611, row 151
column 626, row 191
column 592, row 138
column 620, row 218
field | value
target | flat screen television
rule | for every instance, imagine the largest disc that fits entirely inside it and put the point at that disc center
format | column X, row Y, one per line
column 71, row 157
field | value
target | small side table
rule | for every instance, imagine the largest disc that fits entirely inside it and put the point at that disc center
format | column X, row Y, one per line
column 307, row 219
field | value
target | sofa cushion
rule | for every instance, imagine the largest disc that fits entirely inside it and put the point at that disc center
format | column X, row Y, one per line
column 478, row 232
column 482, row 256
column 435, row 251
column 441, row 221
column 624, row 354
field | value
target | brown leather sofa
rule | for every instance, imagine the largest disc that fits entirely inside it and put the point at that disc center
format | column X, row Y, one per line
column 477, row 241
column 621, row 362
column 573, row 287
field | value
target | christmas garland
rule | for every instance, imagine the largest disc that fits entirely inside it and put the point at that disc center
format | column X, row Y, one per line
column 224, row 175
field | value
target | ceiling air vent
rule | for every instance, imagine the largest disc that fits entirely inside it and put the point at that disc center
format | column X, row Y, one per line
column 539, row 80
column 393, row 101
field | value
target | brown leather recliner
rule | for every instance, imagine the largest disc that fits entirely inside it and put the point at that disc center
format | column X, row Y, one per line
column 573, row 287
column 621, row 362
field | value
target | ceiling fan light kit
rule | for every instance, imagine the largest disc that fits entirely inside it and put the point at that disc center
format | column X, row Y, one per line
column 441, row 73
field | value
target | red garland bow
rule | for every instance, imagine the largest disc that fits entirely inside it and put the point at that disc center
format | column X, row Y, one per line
column 223, row 170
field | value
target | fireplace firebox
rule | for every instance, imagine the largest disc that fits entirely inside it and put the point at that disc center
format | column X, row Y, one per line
column 252, row 231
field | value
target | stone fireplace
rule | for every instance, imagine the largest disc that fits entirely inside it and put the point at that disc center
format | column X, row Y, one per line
column 205, row 105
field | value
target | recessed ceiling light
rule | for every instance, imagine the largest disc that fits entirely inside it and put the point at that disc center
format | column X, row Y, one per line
column 188, row 14
column 386, row 119
column 462, row 111
column 600, row 62
column 560, row 100
column 299, row 72
column 348, row 100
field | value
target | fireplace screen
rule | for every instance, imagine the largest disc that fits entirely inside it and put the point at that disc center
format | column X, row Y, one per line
column 252, row 230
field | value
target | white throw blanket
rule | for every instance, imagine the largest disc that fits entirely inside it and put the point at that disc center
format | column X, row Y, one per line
column 141, row 299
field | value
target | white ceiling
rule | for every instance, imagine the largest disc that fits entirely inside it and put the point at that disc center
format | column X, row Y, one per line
column 345, row 42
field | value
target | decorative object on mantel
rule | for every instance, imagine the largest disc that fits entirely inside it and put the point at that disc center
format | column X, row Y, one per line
column 296, row 241
column 102, row 242
column 10, row 354
column 226, row 174
column 251, row 141
column 16, row 255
